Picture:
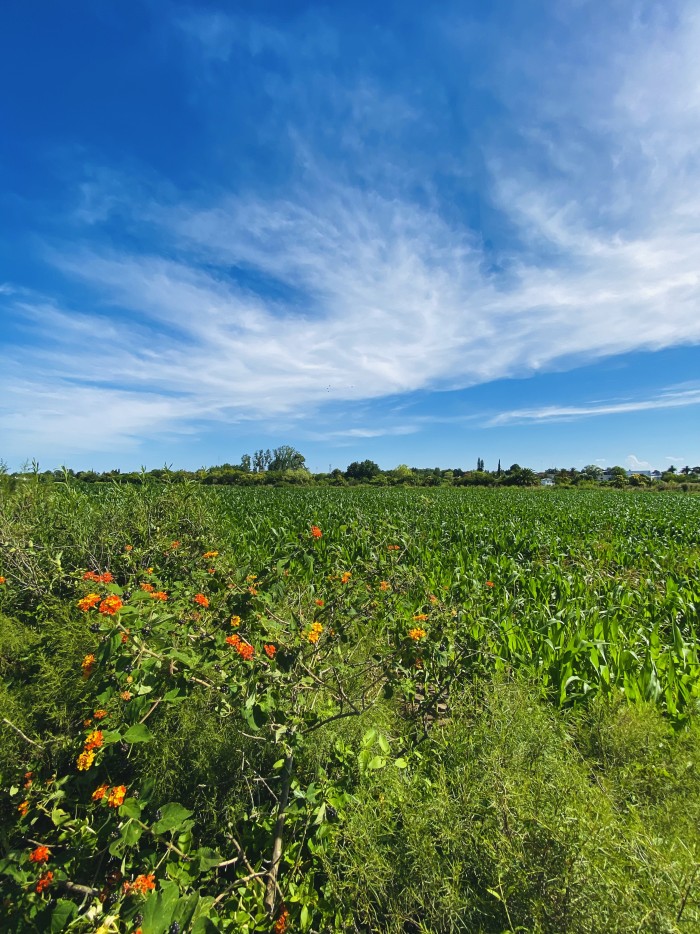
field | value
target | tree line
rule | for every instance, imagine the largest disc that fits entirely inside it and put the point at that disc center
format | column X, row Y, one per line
column 286, row 465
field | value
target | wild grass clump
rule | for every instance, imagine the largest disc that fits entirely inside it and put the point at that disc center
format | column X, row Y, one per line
column 505, row 826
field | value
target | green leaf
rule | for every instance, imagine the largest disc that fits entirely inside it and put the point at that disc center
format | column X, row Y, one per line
column 130, row 808
column 59, row 816
column 383, row 744
column 377, row 762
column 154, row 920
column 62, row 914
column 173, row 816
column 132, row 833
column 369, row 738
column 138, row 733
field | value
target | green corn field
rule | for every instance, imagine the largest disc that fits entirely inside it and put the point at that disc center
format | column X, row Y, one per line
column 400, row 710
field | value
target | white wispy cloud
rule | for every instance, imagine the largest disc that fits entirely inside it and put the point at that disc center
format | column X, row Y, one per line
column 561, row 413
column 634, row 463
column 266, row 305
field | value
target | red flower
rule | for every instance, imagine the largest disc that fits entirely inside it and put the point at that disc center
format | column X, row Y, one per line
column 39, row 855
column 280, row 925
column 270, row 650
column 141, row 885
column 110, row 605
column 489, row 583
column 245, row 651
column 316, row 532
column 44, row 882
column 201, row 599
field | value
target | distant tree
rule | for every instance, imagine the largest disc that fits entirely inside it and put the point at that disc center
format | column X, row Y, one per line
column 686, row 470
column 259, row 461
column 499, row 471
column 618, row 476
column 362, row 470
column 285, row 458
column 245, row 463
column 592, row 472
column 671, row 469
column 479, row 463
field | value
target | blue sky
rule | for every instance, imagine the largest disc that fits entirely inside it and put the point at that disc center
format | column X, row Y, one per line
column 419, row 233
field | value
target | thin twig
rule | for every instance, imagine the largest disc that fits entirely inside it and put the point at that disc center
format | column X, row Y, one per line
column 23, row 735
column 152, row 708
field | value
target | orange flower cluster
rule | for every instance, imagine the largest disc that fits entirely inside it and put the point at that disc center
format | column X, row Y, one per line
column 105, row 578
column 393, row 547
column 39, row 855
column 100, row 714
column 489, row 583
column 94, row 740
column 384, row 585
column 316, row 532
column 253, row 591
column 270, row 650
column 88, row 665
column 99, row 793
column 110, row 605
column 88, row 602
column 3, row 580
column 345, row 577
column 148, row 588
column 315, row 632
column 28, row 776
column 175, row 544
column 23, row 808
column 420, row 617
column 128, row 547
column 319, row 602
column 201, row 599
column 44, row 882
column 125, row 636
column 125, row 695
column 85, row 760
column 159, row 595
column 245, row 650
column 116, row 796
column 416, row 634
column 280, row 925
column 210, row 554
column 141, row 885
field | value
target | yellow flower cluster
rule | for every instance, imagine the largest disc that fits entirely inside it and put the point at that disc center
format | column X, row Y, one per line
column 416, row 633
column 85, row 760
column 315, row 632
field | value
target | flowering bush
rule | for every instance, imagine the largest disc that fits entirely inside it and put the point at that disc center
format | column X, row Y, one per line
column 223, row 733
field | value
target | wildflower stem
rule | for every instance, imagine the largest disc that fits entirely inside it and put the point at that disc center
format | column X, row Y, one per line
column 23, row 735
column 271, row 889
